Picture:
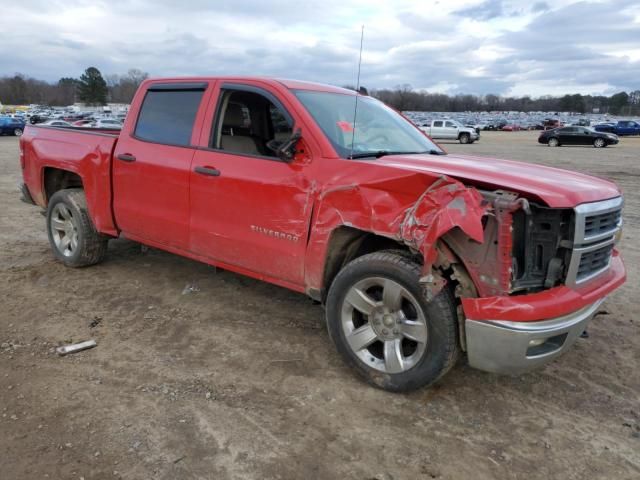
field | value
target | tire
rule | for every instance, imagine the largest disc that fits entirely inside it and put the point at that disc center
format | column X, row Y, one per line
column 553, row 142
column 381, row 351
column 17, row 132
column 73, row 238
column 599, row 143
column 464, row 138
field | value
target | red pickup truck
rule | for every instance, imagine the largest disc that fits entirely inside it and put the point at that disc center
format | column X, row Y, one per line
column 417, row 255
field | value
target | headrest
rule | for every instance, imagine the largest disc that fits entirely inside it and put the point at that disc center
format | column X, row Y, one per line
column 234, row 117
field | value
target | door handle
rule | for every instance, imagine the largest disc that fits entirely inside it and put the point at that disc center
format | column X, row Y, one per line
column 212, row 172
column 126, row 157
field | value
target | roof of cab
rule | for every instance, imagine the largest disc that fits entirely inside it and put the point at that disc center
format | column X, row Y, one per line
column 288, row 83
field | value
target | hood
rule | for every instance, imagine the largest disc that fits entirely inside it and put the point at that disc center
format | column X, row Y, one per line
column 555, row 187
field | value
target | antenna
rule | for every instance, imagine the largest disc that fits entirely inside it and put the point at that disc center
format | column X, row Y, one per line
column 355, row 109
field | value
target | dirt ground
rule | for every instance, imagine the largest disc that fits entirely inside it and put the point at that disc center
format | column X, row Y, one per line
column 235, row 379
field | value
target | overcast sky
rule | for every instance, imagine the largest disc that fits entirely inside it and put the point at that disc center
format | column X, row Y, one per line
column 531, row 47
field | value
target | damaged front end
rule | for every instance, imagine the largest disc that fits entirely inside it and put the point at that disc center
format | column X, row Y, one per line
column 493, row 244
column 525, row 248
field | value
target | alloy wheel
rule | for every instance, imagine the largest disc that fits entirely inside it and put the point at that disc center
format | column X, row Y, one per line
column 384, row 325
column 64, row 230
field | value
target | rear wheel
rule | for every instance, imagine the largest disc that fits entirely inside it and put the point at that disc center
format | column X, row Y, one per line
column 72, row 235
column 383, row 326
column 553, row 142
column 464, row 138
column 599, row 143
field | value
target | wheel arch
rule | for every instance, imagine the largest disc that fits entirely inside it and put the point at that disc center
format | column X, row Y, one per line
column 55, row 179
column 347, row 244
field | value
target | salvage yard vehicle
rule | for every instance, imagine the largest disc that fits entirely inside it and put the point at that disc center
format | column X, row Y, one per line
column 577, row 136
column 11, row 126
column 623, row 127
column 450, row 130
column 417, row 255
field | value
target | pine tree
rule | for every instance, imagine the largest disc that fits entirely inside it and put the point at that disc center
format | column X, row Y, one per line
column 92, row 88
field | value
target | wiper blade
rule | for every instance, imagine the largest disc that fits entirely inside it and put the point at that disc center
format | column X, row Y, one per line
column 383, row 153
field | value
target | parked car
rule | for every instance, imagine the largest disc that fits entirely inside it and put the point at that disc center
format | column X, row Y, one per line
column 56, row 123
column 83, row 123
column 11, row 126
column 512, row 127
column 551, row 123
column 417, row 255
column 450, row 130
column 107, row 123
column 623, row 127
column 577, row 136
column 38, row 118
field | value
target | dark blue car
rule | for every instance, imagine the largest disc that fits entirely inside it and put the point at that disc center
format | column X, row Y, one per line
column 11, row 126
column 623, row 127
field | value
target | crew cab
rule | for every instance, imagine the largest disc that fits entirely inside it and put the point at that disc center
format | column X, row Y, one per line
column 418, row 256
column 623, row 127
column 450, row 130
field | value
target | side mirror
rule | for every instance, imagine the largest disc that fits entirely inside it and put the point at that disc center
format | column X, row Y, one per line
column 287, row 150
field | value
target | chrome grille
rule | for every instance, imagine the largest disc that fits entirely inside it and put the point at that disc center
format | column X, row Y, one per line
column 596, row 226
column 594, row 262
column 601, row 223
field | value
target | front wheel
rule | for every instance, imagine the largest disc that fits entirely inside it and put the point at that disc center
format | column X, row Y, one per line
column 464, row 138
column 72, row 235
column 383, row 326
column 599, row 143
column 17, row 132
column 553, row 142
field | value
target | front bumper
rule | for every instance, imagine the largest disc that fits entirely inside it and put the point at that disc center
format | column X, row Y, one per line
column 516, row 334
column 517, row 347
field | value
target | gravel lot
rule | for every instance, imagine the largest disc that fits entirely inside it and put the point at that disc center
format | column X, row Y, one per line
column 235, row 378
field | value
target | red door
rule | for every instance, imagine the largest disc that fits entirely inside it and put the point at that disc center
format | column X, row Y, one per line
column 250, row 209
column 254, row 214
column 152, row 163
column 151, row 192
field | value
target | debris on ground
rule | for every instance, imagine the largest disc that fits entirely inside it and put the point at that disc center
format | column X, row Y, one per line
column 76, row 347
column 190, row 288
column 95, row 322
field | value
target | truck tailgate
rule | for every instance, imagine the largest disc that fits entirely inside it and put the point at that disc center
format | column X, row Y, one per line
column 82, row 152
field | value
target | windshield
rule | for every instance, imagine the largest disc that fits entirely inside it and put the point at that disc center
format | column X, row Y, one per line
column 379, row 130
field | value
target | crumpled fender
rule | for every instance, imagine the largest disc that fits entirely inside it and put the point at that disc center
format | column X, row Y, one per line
column 389, row 208
column 445, row 205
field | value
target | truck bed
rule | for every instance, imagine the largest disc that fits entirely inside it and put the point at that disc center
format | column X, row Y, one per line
column 85, row 152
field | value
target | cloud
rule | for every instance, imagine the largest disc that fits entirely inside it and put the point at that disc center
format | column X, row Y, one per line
column 486, row 10
column 540, row 7
column 461, row 46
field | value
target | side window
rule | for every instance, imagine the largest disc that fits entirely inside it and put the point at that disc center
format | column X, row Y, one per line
column 437, row 124
column 282, row 128
column 167, row 116
column 250, row 123
column 449, row 124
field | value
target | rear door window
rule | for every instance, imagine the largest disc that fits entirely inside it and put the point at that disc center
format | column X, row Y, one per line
column 437, row 124
column 167, row 116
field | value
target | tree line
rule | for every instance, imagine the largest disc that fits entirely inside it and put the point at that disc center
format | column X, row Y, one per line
column 90, row 88
column 94, row 89
column 404, row 98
